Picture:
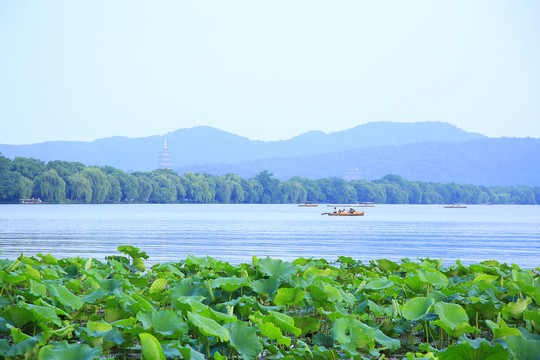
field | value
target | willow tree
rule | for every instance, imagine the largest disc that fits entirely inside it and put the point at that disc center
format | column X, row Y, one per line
column 25, row 187
column 100, row 184
column 164, row 190
column 80, row 188
column 51, row 186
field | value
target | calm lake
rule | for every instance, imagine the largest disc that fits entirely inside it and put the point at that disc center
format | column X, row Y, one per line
column 234, row 233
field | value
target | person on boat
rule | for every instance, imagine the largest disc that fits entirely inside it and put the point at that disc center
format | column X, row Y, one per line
column 351, row 211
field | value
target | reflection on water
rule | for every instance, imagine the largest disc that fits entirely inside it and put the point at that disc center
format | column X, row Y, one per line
column 235, row 233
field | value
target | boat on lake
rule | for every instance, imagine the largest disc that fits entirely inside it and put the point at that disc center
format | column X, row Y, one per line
column 365, row 204
column 307, row 204
column 30, row 201
column 455, row 206
column 343, row 212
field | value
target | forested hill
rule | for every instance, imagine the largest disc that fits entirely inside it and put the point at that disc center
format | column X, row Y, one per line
column 489, row 161
column 203, row 144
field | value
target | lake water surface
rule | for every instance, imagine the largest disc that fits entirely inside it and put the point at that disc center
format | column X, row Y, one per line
column 234, row 233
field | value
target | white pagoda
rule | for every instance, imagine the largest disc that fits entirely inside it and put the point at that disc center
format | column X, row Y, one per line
column 165, row 158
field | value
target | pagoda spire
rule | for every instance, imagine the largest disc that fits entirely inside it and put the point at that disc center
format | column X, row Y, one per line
column 165, row 158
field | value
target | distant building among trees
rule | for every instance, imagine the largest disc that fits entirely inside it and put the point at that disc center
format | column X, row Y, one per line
column 165, row 160
column 353, row 174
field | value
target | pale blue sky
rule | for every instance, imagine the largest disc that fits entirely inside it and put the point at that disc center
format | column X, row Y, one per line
column 267, row 70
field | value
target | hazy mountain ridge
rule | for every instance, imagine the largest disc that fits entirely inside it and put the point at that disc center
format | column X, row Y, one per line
column 489, row 161
column 203, row 144
column 427, row 151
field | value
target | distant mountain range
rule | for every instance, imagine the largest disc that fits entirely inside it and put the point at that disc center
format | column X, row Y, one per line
column 489, row 162
column 427, row 151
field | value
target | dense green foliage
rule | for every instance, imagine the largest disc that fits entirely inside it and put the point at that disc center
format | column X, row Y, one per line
column 61, row 181
column 203, row 308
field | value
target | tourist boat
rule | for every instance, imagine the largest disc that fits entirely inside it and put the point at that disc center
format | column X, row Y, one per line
column 30, row 201
column 307, row 204
column 455, row 206
column 343, row 212
column 365, row 204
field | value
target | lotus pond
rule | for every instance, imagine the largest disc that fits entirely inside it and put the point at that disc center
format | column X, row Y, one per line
column 202, row 308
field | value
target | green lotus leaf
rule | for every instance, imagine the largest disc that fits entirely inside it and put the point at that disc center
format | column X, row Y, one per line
column 302, row 350
column 203, row 263
column 137, row 281
column 272, row 267
column 313, row 272
column 138, row 262
column 111, row 286
column 32, row 272
column 206, row 311
column 387, row 265
column 271, row 331
column 379, row 284
column 113, row 311
column 534, row 318
column 245, row 340
column 98, row 326
column 415, row 283
column 151, row 349
column 112, row 338
column 95, row 331
column 133, row 252
column 433, row 277
column 289, row 296
column 307, row 324
column 267, row 286
column 353, row 335
column 17, row 335
column 283, row 321
column 63, row 350
column 323, row 353
column 437, row 296
column 386, row 341
column 4, row 301
column 485, row 278
column 523, row 279
column 158, row 285
column 20, row 316
column 44, row 314
column 186, row 287
column 208, row 327
column 189, row 354
column 317, row 293
column 125, row 323
column 48, row 259
column 346, row 260
column 65, row 332
column 334, row 294
column 4, row 347
column 63, row 295
column 515, row 310
column 163, row 323
column 476, row 349
column 378, row 310
column 332, row 315
column 229, row 284
column 11, row 279
column 25, row 348
column 502, row 331
column 141, row 303
column 522, row 348
column 416, row 308
column 451, row 315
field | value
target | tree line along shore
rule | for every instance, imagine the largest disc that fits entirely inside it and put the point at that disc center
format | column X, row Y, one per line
column 74, row 182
